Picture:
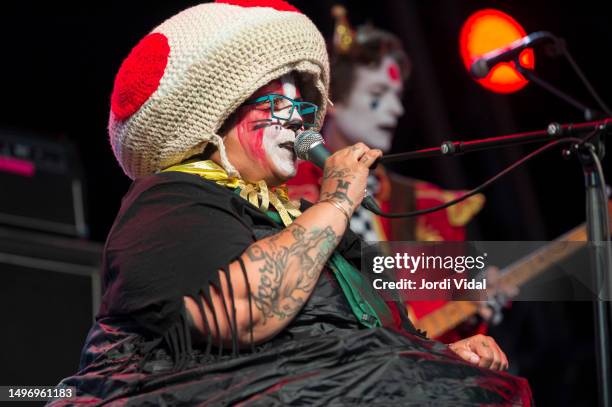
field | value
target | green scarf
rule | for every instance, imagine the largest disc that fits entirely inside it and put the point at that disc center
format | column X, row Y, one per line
column 369, row 308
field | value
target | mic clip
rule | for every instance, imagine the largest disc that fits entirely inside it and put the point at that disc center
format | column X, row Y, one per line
column 451, row 148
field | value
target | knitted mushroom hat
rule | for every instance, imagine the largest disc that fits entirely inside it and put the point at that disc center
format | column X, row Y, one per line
column 180, row 83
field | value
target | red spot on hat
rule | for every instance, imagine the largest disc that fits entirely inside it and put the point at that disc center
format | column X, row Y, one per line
column 139, row 75
column 393, row 72
column 279, row 5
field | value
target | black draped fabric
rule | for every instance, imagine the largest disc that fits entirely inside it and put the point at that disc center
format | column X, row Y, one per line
column 173, row 233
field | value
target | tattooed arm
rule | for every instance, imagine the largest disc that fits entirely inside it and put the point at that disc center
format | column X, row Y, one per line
column 283, row 269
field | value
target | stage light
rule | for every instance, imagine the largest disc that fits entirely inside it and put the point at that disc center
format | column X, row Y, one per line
column 485, row 31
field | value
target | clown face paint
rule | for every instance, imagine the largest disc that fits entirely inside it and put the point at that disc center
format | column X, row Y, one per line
column 268, row 140
column 372, row 109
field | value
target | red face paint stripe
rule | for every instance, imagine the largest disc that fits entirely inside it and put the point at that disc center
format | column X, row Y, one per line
column 273, row 87
column 252, row 140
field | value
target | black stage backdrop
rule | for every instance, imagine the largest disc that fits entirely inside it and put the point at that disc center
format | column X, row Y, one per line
column 59, row 61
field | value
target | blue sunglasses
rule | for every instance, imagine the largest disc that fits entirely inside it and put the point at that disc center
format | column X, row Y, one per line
column 282, row 108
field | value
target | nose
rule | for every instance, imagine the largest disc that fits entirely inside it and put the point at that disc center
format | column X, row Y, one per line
column 295, row 122
column 396, row 107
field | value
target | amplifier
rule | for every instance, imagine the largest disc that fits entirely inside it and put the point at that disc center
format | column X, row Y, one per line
column 41, row 185
column 49, row 294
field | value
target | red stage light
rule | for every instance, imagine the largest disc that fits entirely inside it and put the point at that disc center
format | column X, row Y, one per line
column 485, row 31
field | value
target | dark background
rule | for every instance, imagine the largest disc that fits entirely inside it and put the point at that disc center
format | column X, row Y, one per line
column 59, row 61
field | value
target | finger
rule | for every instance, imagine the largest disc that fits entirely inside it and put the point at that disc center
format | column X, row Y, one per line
column 505, row 363
column 358, row 150
column 377, row 153
column 467, row 355
column 369, row 157
column 497, row 359
column 503, row 359
column 497, row 353
column 479, row 346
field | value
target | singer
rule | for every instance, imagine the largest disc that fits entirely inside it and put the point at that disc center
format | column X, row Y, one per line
column 217, row 289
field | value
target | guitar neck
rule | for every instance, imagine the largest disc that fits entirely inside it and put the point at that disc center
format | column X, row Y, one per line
column 526, row 269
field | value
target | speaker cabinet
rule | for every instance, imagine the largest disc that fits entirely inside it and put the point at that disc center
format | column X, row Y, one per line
column 41, row 184
column 49, row 294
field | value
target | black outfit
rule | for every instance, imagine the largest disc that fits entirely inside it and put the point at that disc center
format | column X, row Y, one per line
column 173, row 233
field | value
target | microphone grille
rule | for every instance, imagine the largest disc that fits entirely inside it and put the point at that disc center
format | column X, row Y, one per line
column 304, row 141
column 479, row 68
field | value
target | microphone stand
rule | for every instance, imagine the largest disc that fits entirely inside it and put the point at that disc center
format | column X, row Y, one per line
column 589, row 153
column 598, row 234
column 598, row 227
column 454, row 148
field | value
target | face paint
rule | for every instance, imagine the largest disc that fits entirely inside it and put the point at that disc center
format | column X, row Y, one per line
column 393, row 72
column 371, row 112
column 266, row 139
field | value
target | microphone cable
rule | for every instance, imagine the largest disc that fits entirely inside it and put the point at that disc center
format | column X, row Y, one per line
column 373, row 207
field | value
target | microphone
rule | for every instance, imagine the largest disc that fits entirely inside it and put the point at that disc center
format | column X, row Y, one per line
column 310, row 146
column 483, row 65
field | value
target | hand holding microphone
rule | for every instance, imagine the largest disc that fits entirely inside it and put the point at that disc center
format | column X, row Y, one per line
column 345, row 173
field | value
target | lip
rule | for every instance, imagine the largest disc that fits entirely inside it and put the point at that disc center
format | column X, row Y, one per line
column 387, row 128
column 288, row 145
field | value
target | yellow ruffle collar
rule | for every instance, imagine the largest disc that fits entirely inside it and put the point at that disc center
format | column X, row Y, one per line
column 259, row 195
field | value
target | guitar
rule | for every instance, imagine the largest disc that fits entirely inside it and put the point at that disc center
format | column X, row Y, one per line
column 453, row 313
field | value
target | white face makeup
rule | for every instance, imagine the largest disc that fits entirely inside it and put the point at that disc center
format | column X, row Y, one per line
column 278, row 140
column 372, row 109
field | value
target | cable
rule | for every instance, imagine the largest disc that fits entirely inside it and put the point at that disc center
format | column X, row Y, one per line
column 602, row 189
column 561, row 45
column 376, row 210
column 590, row 136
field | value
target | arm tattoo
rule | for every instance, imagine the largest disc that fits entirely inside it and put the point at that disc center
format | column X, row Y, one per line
column 340, row 194
column 288, row 274
column 330, row 173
